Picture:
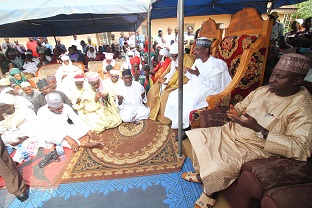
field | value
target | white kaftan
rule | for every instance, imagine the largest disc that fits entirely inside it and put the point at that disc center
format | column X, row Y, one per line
column 213, row 78
column 55, row 126
column 132, row 107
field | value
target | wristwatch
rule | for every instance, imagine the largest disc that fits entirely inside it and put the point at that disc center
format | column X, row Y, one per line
column 262, row 134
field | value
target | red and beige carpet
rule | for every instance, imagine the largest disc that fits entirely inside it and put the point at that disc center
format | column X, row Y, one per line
column 129, row 150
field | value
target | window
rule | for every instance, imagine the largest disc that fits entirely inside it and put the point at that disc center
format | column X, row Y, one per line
column 144, row 29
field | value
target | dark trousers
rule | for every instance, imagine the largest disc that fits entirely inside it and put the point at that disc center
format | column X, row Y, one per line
column 8, row 171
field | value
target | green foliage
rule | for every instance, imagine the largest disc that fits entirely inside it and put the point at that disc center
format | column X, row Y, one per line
column 305, row 9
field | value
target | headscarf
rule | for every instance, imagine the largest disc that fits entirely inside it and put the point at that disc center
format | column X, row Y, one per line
column 7, row 99
column 91, row 54
column 79, row 78
column 6, row 90
column 93, row 77
column 135, row 60
column 14, row 71
column 4, row 82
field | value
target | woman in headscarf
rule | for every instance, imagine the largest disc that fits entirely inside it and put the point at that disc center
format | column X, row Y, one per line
column 17, row 79
column 65, row 74
column 91, row 54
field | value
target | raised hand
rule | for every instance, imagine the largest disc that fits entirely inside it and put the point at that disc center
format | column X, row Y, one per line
column 120, row 99
column 98, row 95
column 193, row 71
column 250, row 122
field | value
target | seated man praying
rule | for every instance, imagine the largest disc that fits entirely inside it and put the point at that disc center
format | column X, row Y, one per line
column 131, row 99
column 53, row 119
column 272, row 121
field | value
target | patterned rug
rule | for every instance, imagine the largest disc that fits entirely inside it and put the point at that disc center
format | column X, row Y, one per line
column 129, row 150
column 156, row 191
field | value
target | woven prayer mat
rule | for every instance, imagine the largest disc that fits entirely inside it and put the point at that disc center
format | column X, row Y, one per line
column 37, row 177
column 129, row 150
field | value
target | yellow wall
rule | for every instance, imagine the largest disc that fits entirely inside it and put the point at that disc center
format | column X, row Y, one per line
column 173, row 22
column 161, row 23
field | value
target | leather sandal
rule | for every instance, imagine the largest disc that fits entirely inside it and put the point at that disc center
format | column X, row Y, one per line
column 50, row 157
column 205, row 201
column 191, row 177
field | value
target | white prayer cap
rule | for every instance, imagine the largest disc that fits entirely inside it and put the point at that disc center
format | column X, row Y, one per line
column 159, row 29
column 7, row 99
column 4, row 82
column 130, row 53
column 174, row 48
column 164, row 52
column 25, row 84
column 6, row 90
column 65, row 58
column 54, row 100
column 132, row 45
column 109, row 56
column 114, row 72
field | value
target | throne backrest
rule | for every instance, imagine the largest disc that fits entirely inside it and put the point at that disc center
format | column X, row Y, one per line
column 210, row 31
column 246, row 31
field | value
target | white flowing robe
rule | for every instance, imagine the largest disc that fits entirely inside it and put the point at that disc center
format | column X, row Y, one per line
column 213, row 78
column 55, row 126
column 219, row 152
column 132, row 107
column 23, row 122
column 70, row 71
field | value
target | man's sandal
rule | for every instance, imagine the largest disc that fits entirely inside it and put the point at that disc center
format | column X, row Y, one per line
column 205, row 201
column 50, row 157
column 191, row 177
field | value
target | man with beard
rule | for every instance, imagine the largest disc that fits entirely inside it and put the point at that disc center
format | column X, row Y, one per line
column 29, row 93
column 53, row 119
column 131, row 99
column 100, row 110
column 272, row 121
column 207, row 76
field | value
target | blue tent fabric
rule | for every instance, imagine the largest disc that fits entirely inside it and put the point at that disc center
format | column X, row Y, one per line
column 19, row 18
column 168, row 8
column 62, row 25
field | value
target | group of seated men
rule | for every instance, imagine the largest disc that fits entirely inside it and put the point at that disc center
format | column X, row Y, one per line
column 72, row 104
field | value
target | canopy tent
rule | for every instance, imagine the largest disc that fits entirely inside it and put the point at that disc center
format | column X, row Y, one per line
column 20, row 18
column 168, row 8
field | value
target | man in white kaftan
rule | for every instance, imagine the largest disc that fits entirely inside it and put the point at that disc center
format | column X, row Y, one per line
column 131, row 99
column 113, row 84
column 207, row 76
column 272, row 121
column 56, row 130
column 19, row 126
column 99, row 110
column 65, row 74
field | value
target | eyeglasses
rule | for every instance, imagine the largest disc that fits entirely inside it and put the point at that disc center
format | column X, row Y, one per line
column 114, row 76
column 174, row 56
